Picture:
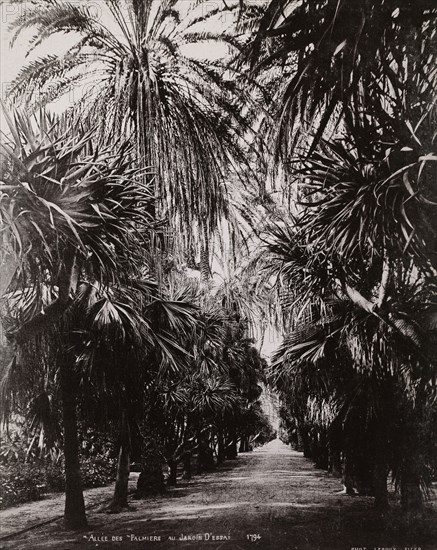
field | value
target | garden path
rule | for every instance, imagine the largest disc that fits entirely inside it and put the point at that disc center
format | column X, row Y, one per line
column 270, row 499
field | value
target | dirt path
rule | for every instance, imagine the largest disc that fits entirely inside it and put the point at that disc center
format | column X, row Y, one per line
column 271, row 499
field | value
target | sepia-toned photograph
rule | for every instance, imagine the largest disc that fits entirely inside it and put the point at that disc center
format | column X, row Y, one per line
column 218, row 274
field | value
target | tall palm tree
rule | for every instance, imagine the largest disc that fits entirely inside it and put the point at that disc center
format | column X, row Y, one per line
column 183, row 113
column 68, row 211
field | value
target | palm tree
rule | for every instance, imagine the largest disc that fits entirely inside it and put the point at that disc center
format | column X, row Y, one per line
column 379, row 342
column 175, row 393
column 364, row 231
column 195, row 406
column 124, row 337
column 183, row 113
column 211, row 398
column 346, row 59
column 68, row 211
column 338, row 407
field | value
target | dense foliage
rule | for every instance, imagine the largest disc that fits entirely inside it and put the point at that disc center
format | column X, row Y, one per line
column 355, row 260
column 317, row 131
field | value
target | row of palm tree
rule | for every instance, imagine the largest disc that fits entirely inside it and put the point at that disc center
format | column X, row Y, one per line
column 354, row 260
column 330, row 102
column 87, row 322
column 82, row 296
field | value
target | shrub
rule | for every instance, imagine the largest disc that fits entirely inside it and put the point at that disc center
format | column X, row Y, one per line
column 26, row 476
column 54, row 477
column 20, row 483
column 97, row 471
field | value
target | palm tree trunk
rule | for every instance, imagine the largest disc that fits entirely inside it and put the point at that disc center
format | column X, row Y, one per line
column 231, row 447
column 348, row 476
column 321, row 456
column 244, row 444
column 74, row 513
column 306, row 442
column 186, row 465
column 119, row 500
column 151, row 479
column 335, row 461
column 205, row 269
column 205, row 460
column 411, row 495
column 380, row 486
column 232, row 450
column 299, row 439
column 221, row 450
column 173, row 472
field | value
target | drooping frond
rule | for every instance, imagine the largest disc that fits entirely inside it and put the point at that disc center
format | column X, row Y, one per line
column 193, row 108
column 347, row 58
